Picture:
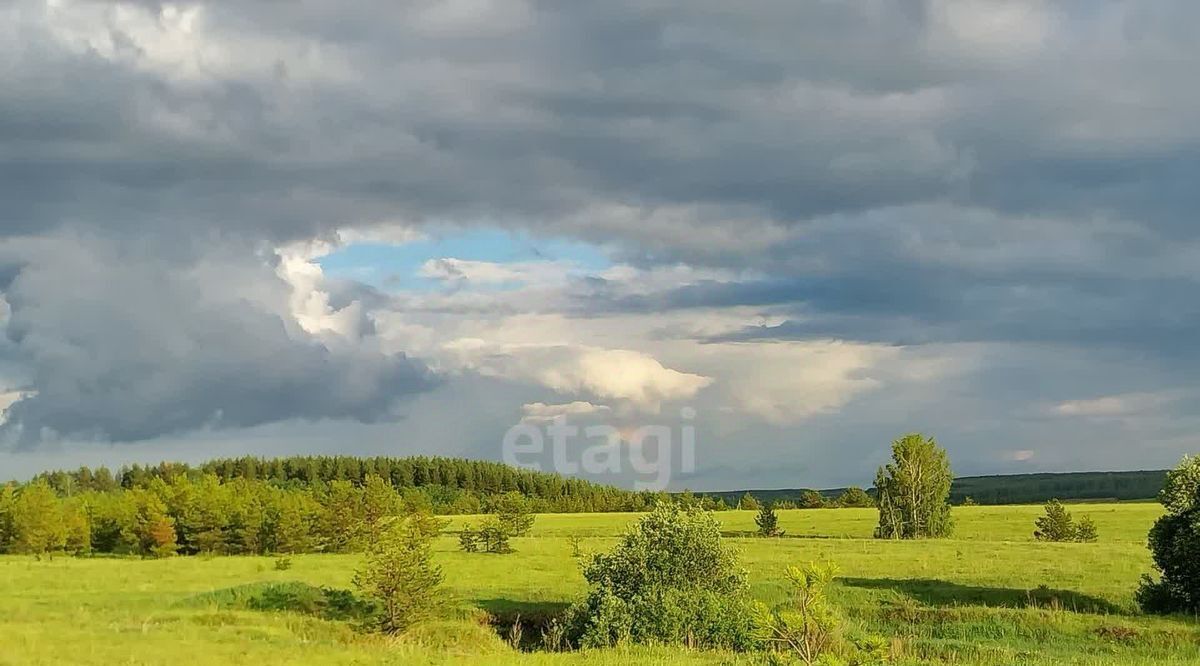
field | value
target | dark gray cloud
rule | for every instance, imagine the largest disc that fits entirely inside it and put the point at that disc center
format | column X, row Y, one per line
column 282, row 123
column 118, row 345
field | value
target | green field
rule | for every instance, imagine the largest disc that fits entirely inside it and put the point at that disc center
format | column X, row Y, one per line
column 991, row 595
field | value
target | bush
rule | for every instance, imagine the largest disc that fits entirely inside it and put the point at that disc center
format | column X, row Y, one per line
column 1057, row 524
column 398, row 573
column 809, row 628
column 1085, row 530
column 767, row 521
column 669, row 580
column 811, row 499
column 1175, row 547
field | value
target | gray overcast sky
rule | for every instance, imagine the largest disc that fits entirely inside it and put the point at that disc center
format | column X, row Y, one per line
column 403, row 227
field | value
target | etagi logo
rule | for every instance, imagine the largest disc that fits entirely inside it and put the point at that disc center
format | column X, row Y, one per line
column 652, row 452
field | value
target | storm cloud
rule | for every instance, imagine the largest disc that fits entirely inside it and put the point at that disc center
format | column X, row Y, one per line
column 910, row 197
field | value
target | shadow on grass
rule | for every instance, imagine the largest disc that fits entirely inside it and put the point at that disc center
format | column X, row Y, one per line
column 526, row 624
column 293, row 597
column 932, row 592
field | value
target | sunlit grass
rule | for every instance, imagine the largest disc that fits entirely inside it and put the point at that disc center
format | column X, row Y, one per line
column 991, row 595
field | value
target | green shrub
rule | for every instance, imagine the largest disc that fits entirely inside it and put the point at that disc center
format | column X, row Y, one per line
column 811, row 499
column 1056, row 524
column 398, row 573
column 1085, row 530
column 283, row 563
column 809, row 628
column 1175, row 545
column 669, row 580
column 767, row 521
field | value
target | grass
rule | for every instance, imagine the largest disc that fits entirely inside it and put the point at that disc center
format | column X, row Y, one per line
column 989, row 596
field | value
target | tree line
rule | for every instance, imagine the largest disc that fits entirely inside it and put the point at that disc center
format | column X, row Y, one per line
column 181, row 510
column 449, row 485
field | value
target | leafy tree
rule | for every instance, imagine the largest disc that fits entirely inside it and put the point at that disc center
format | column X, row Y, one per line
column 154, row 530
column 1175, row 547
column 37, row 521
column 78, row 528
column 670, row 579
column 811, row 499
column 1181, row 490
column 855, row 497
column 913, row 491
column 290, row 520
column 8, row 498
column 767, row 521
column 748, row 503
column 513, row 513
column 1056, row 525
column 398, row 574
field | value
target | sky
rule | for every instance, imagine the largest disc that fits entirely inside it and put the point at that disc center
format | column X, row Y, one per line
column 792, row 231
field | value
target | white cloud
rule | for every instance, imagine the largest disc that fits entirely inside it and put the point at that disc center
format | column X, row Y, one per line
column 1125, row 404
column 540, row 412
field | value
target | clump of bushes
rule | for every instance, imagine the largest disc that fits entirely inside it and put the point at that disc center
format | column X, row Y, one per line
column 669, row 580
column 1057, row 524
column 1175, row 545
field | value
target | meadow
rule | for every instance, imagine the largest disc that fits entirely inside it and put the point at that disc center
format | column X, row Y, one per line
column 989, row 595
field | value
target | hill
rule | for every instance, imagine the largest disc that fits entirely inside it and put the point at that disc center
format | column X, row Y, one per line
column 1013, row 488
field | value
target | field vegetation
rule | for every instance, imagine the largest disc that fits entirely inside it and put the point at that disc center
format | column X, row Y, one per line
column 990, row 594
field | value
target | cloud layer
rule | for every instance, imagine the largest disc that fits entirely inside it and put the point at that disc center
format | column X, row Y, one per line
column 825, row 223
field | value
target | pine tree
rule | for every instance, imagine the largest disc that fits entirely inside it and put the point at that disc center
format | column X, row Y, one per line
column 1056, row 524
column 399, row 575
column 767, row 521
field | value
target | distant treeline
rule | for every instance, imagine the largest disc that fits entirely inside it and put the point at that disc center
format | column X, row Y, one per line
column 290, row 505
column 1038, row 488
column 1008, row 489
column 446, row 485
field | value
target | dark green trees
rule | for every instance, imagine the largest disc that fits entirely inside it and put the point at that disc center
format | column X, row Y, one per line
column 855, row 497
column 913, row 491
